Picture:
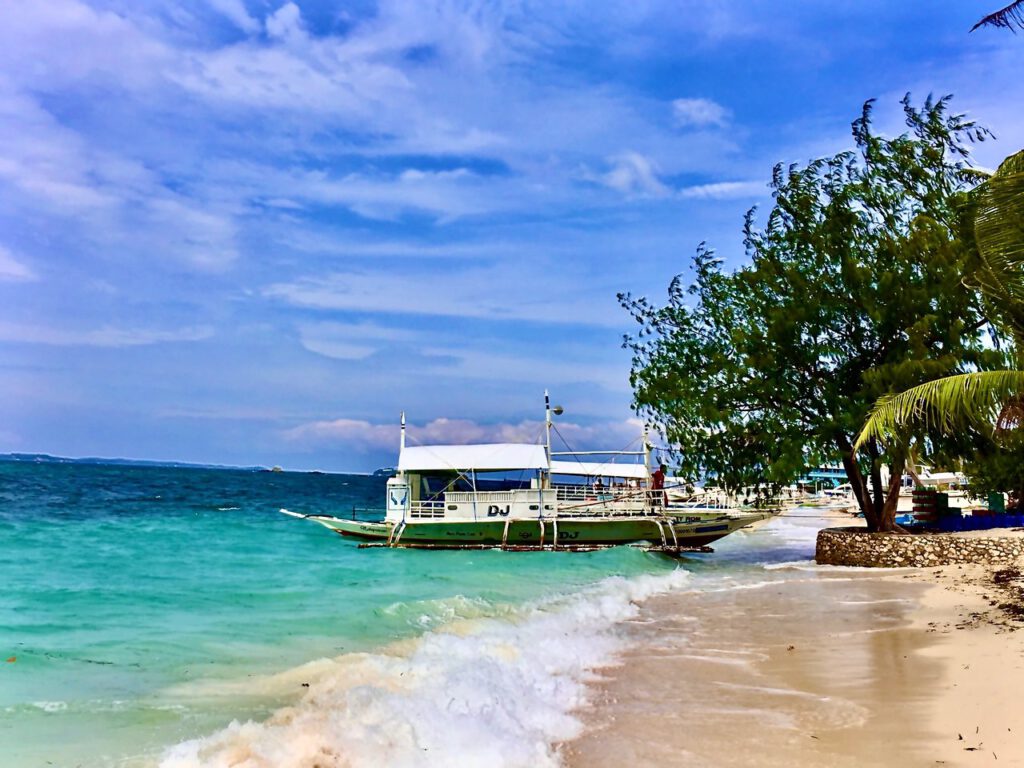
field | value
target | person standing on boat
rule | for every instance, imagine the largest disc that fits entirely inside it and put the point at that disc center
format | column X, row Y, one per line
column 658, row 484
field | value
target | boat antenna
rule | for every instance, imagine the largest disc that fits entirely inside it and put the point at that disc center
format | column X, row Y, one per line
column 547, row 425
column 647, row 452
column 401, row 440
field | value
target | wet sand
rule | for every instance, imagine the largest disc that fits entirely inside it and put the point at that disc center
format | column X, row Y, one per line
column 818, row 667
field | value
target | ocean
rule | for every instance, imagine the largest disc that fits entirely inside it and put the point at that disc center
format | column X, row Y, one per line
column 173, row 617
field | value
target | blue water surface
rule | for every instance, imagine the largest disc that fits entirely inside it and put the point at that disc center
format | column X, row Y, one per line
column 122, row 585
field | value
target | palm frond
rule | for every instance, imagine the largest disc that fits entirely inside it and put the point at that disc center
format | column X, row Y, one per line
column 1009, row 17
column 944, row 405
column 1011, row 415
column 999, row 231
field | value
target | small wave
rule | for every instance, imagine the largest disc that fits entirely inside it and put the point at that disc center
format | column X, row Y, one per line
column 430, row 614
column 792, row 565
column 485, row 691
column 50, row 706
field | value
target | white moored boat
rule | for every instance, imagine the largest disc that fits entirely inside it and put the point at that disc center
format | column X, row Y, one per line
column 525, row 496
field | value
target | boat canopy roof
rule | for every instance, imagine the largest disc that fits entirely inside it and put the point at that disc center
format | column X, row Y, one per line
column 487, row 457
column 599, row 469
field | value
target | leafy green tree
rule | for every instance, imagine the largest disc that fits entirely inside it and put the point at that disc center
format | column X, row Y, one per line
column 997, row 466
column 992, row 401
column 853, row 289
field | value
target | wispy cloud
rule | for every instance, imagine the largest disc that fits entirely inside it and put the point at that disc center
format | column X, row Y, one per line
column 725, row 190
column 633, row 174
column 494, row 291
column 106, row 336
column 699, row 113
column 14, row 270
column 349, row 341
column 235, row 11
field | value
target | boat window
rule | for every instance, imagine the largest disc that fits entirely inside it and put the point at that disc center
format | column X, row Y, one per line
column 435, row 485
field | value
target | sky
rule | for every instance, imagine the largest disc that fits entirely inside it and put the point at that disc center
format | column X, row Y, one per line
column 253, row 232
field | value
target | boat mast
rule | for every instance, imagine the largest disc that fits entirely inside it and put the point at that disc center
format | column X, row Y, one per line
column 545, row 481
column 547, row 426
column 401, row 442
column 647, row 454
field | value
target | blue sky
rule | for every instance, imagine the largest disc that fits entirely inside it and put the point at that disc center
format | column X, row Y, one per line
column 245, row 232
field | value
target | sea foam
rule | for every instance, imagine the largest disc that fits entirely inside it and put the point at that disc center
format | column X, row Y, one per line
column 488, row 691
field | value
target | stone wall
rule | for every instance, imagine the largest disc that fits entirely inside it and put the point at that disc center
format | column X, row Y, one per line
column 855, row 546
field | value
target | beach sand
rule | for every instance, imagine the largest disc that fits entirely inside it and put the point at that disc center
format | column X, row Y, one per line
column 819, row 667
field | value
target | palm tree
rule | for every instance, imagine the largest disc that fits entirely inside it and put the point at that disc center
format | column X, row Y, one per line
column 1009, row 17
column 994, row 398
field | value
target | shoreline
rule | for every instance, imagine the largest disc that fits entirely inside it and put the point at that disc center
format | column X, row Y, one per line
column 818, row 666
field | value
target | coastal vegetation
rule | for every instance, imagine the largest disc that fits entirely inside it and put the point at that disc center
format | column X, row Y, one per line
column 986, row 404
column 854, row 288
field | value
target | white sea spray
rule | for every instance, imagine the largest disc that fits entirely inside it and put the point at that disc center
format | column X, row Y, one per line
column 488, row 691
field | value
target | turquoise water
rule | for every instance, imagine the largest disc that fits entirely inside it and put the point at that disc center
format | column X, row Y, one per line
column 145, row 607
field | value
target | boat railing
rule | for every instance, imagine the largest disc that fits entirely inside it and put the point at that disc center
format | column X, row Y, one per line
column 429, row 509
column 585, row 501
column 480, row 497
column 577, row 492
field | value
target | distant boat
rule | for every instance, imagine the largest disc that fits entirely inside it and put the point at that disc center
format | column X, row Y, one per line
column 384, row 472
column 524, row 496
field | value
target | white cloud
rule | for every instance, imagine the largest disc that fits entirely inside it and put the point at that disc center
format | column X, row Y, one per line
column 65, row 43
column 356, row 433
column 447, row 195
column 633, row 174
column 433, row 352
column 235, row 11
column 286, row 24
column 13, row 270
column 348, row 341
column 500, row 291
column 107, row 336
column 725, row 190
column 118, row 203
column 699, row 113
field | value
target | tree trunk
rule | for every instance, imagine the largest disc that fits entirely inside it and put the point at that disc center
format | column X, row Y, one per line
column 857, row 482
column 878, row 502
column 878, row 495
column 891, row 497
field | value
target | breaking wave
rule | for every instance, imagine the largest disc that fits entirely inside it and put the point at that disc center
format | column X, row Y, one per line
column 476, row 691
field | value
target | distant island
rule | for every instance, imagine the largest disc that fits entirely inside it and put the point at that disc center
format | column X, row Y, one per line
column 44, row 458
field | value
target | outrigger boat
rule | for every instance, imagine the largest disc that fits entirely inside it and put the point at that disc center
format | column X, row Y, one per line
column 525, row 496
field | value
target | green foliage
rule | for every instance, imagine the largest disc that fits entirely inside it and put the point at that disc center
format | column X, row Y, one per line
column 997, row 467
column 999, row 230
column 853, row 289
column 981, row 399
column 944, row 405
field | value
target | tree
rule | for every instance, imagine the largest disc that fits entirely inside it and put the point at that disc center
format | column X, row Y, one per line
column 853, row 290
column 992, row 401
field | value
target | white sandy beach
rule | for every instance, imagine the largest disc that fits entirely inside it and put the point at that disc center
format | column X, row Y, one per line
column 819, row 666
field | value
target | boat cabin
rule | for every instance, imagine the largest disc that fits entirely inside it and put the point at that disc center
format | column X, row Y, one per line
column 511, row 480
